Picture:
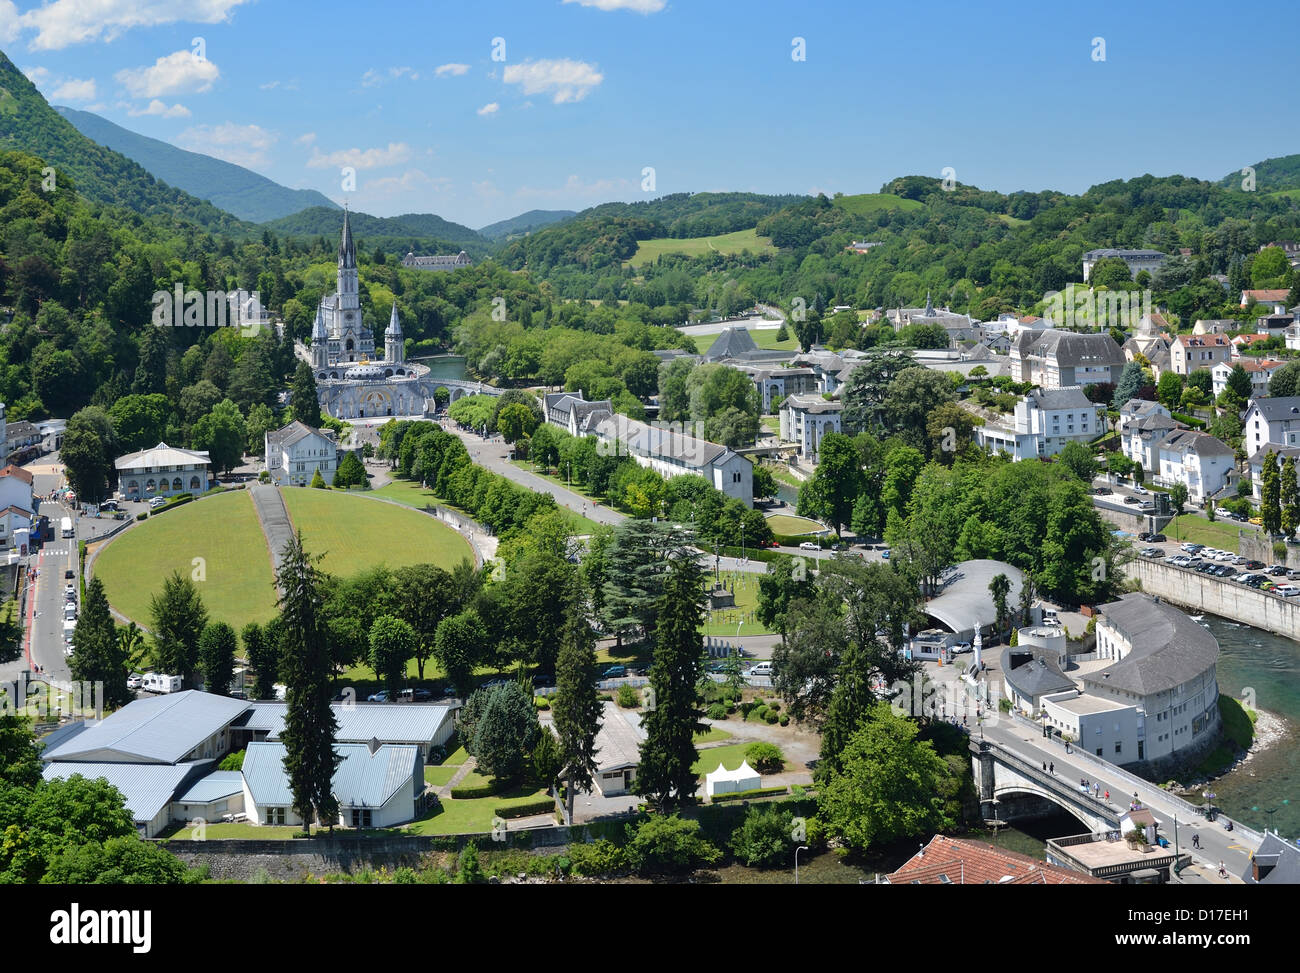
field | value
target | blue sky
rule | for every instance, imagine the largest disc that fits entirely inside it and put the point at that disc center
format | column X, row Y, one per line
column 590, row 92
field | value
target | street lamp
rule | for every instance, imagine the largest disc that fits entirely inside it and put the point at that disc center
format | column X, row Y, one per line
column 1285, row 803
column 796, row 862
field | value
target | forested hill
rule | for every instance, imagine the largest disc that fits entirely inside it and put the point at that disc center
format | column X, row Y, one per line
column 233, row 188
column 424, row 233
column 29, row 124
column 530, row 222
column 1271, row 175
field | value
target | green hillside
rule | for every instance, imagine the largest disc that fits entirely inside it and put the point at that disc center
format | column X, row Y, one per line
column 727, row 243
column 524, row 223
column 865, row 203
column 29, row 124
column 1271, row 175
column 232, row 188
column 423, row 232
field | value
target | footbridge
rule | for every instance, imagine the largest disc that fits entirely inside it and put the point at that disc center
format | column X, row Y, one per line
column 1012, row 787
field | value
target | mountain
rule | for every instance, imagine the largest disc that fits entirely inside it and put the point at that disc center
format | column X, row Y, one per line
column 418, row 231
column 29, row 124
column 525, row 223
column 1271, row 175
column 233, row 188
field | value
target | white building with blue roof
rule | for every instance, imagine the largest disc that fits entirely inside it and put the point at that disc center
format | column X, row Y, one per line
column 147, row 788
column 377, row 786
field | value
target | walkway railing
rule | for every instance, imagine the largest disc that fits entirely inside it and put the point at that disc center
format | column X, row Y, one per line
column 1057, row 785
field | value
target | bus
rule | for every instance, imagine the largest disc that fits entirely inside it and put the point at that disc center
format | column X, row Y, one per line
column 66, row 525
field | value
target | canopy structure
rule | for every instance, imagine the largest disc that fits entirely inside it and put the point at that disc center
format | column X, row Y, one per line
column 724, row 781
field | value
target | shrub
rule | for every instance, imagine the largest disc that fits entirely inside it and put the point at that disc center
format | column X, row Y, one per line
column 668, row 844
column 770, row 717
column 543, row 805
column 1004, row 705
column 601, row 857
column 232, row 761
column 628, row 697
column 766, row 758
column 541, row 702
column 717, row 712
column 774, row 705
column 142, row 515
column 469, row 793
column 785, row 719
column 758, row 712
column 748, row 795
column 264, row 477
column 763, row 838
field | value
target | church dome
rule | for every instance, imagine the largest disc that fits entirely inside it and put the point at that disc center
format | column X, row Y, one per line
column 361, row 372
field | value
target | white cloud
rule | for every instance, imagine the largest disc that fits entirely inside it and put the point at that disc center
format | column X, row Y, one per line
column 456, row 70
column 637, row 6
column 396, row 153
column 268, row 86
column 305, row 139
column 176, row 73
column 244, row 145
column 65, row 22
column 75, row 89
column 36, row 75
column 490, row 109
column 162, row 110
column 373, row 77
column 409, row 181
column 563, row 79
column 9, row 22
column 575, row 188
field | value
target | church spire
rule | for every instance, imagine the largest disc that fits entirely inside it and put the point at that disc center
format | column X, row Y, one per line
column 347, row 248
column 929, row 305
column 394, row 326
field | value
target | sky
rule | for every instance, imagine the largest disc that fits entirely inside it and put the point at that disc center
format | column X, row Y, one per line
column 478, row 111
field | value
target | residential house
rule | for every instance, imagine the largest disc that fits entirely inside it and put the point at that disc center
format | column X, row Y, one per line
column 671, row 452
column 1273, row 298
column 1197, row 460
column 805, row 419
column 960, row 861
column 574, row 414
column 297, row 452
column 1059, row 359
column 1135, row 409
column 1276, row 323
column 1272, row 420
column 22, row 441
column 1043, row 422
column 618, row 751
column 1259, row 370
column 1244, row 341
column 1137, row 260
column 1256, row 465
column 1190, row 352
column 163, row 471
column 1215, row 325
column 960, row 327
column 1275, row 862
column 774, row 384
column 1142, row 437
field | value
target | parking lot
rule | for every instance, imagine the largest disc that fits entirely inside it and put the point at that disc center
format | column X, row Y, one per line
column 1273, row 579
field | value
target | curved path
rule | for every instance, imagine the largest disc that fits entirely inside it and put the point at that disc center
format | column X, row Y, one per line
column 274, row 518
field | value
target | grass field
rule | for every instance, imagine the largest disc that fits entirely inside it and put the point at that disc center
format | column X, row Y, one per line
column 648, row 250
column 439, row 776
column 785, row 524
column 724, row 621
column 871, row 202
column 236, row 586
column 729, row 757
column 765, row 338
column 1198, row 530
column 355, row 533
column 465, row 817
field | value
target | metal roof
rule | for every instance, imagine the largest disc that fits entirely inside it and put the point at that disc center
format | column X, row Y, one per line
column 1168, row 647
column 162, row 455
column 618, row 742
column 215, row 786
column 360, row 722
column 158, row 730
column 147, row 788
column 966, row 602
column 363, row 779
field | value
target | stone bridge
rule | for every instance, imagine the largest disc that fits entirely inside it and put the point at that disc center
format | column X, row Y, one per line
column 1012, row 787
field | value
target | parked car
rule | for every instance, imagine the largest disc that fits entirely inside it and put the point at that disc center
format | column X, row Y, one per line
column 379, row 697
column 961, row 648
column 1287, row 590
column 69, row 574
column 134, row 681
column 1102, row 491
column 1276, row 570
column 1293, row 573
column 1158, row 538
column 1254, row 565
column 614, row 672
column 807, row 546
column 1227, row 572
column 762, row 669
column 1145, row 536
column 1132, row 500
column 416, row 695
column 1151, row 552
column 885, row 554
column 1140, row 490
column 1240, row 561
column 157, row 502
column 1147, row 506
column 1193, row 548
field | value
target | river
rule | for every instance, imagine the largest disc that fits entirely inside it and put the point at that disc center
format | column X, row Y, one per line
column 445, row 366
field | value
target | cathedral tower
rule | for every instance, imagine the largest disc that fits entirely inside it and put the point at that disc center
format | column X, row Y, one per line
column 394, row 348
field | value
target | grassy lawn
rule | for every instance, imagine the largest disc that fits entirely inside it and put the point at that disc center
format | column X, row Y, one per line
column 464, row 817
column 785, row 524
column 648, row 250
column 408, row 492
column 765, row 338
column 440, row 776
column 729, row 756
column 785, row 476
column 456, row 759
column 239, row 829
column 724, row 620
column 237, row 585
column 864, row 203
column 711, row 735
column 356, row 533
column 1198, row 530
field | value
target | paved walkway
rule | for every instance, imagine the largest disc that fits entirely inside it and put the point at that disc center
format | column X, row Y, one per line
column 464, row 771
column 274, row 518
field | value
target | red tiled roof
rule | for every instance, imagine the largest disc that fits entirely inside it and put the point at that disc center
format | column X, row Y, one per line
column 1267, row 365
column 1264, row 296
column 1202, row 340
column 17, row 471
column 966, row 862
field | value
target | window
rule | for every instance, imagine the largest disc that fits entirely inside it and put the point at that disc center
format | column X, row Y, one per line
column 1119, row 748
column 361, row 817
column 1099, row 749
column 275, row 815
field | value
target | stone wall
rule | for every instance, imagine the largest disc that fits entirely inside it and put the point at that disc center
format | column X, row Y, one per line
column 1198, row 593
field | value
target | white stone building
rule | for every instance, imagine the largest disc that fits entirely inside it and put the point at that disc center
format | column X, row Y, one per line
column 1137, row 260
column 295, row 453
column 1271, row 420
column 1197, row 460
column 1043, row 422
column 1058, row 359
column 805, row 419
column 162, row 471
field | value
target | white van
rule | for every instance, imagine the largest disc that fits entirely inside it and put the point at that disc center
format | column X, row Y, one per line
column 762, row 669
column 156, row 682
column 68, row 628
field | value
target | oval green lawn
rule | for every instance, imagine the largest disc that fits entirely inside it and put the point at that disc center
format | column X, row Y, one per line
column 235, row 579
column 785, row 524
column 355, row 533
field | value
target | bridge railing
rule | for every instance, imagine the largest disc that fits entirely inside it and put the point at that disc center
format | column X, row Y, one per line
column 1053, row 783
column 1184, row 806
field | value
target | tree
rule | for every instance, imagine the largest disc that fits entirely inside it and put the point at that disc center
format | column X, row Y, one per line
column 264, row 658
column 1110, row 272
column 1078, row 459
column 1285, row 381
column 392, row 644
column 576, row 707
column 222, row 434
column 261, row 420
column 949, row 430
column 20, row 757
column 425, row 595
column 317, row 481
column 457, row 646
column 1178, row 498
column 54, row 816
column 309, row 723
column 763, row 838
column 786, row 580
column 1270, row 487
column 119, row 861
column 217, row 647
column 1239, row 383
column 1289, row 498
column 764, row 482
column 178, row 621
column 96, row 651
column 140, row 421
column 304, row 401
column 890, row 785
column 1169, row 390
column 665, row 777
column 506, row 732
column 516, row 421
column 666, row 845
column 1000, row 590
column 868, row 384
column 547, row 762
column 836, row 482
column 1131, row 381
column 350, row 473
column 634, row 568
column 909, row 399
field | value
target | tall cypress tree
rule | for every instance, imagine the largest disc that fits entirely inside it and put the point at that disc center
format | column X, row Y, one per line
column 1289, row 498
column 309, row 723
column 577, row 707
column 304, row 401
column 96, row 650
column 665, row 777
column 178, row 620
column 1270, row 492
column 217, row 647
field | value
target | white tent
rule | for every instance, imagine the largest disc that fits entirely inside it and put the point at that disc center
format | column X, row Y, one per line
column 724, row 781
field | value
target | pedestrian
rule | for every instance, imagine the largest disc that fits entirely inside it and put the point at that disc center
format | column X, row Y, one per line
column 1044, row 766
column 1051, row 768
column 1223, row 872
column 1196, row 841
column 1108, row 795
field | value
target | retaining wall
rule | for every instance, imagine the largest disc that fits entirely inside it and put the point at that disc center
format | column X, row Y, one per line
column 1197, row 593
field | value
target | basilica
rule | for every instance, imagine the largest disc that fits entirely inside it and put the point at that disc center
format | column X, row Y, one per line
column 351, row 380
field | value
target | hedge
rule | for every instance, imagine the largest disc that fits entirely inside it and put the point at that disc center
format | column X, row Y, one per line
column 543, row 805
column 142, row 515
column 1192, row 421
column 473, row 792
column 745, row 795
column 754, row 553
column 176, row 501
